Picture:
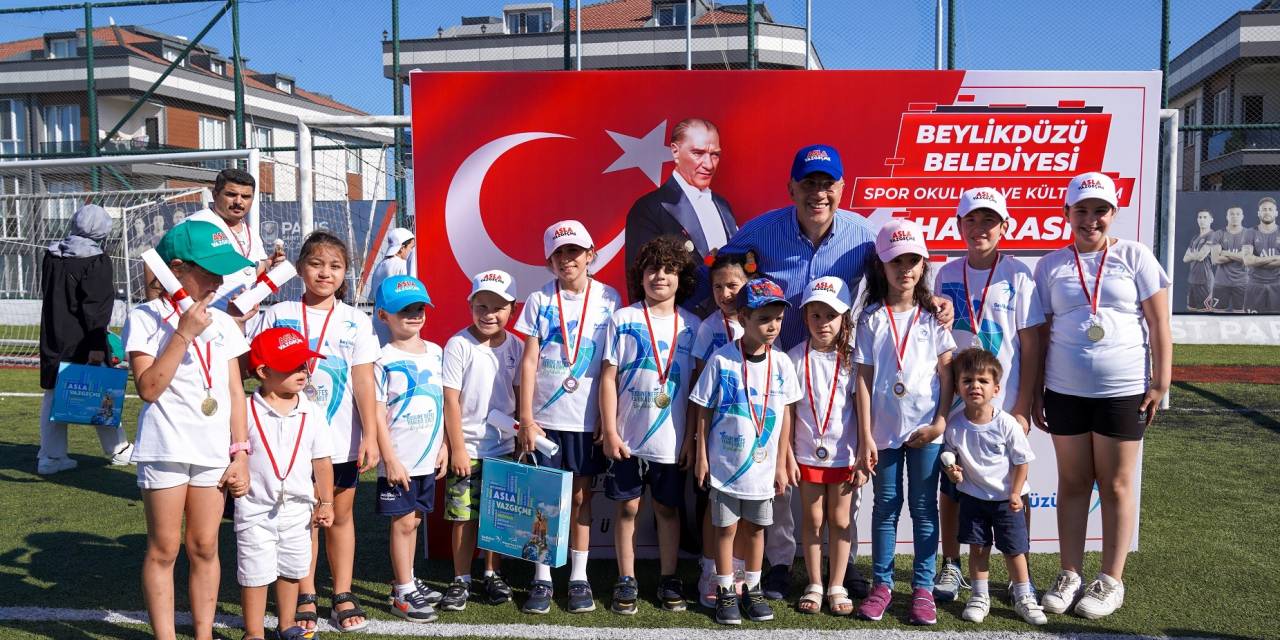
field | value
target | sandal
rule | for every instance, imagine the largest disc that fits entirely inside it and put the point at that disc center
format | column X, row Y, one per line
column 838, row 602
column 337, row 617
column 307, row 619
column 811, row 602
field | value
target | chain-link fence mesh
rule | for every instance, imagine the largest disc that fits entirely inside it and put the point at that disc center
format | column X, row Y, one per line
column 165, row 80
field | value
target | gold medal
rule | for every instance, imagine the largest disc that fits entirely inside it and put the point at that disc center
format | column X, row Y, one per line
column 662, row 400
column 209, row 406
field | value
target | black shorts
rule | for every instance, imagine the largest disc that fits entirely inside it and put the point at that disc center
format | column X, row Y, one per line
column 578, row 453
column 627, row 478
column 1199, row 296
column 1117, row 418
column 1228, row 298
column 984, row 522
column 346, row 475
column 396, row 501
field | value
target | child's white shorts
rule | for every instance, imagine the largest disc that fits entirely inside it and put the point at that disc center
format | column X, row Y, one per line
column 276, row 545
column 164, row 475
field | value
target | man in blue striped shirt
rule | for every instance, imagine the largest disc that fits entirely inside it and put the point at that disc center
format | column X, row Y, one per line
column 793, row 246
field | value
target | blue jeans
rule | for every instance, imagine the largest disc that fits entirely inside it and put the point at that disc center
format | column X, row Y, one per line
column 922, row 467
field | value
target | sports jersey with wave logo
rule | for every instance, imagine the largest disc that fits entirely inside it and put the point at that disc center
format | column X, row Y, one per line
column 731, row 436
column 712, row 335
column 410, row 386
column 349, row 341
column 555, row 407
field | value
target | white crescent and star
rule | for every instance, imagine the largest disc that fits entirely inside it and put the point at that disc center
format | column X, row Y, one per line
column 469, row 240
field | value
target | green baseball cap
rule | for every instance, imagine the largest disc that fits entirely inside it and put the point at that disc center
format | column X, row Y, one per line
column 203, row 243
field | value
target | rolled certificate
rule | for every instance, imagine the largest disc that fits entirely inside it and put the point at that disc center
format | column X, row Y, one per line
column 948, row 459
column 165, row 276
column 506, row 425
column 268, row 283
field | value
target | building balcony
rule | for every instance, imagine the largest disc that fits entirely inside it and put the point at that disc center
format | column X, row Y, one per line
column 1224, row 142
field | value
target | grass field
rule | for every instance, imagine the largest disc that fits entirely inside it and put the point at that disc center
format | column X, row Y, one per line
column 1205, row 568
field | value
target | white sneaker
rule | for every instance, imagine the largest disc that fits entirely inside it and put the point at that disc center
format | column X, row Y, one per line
column 50, row 466
column 121, row 457
column 977, row 608
column 1064, row 592
column 1101, row 598
column 1028, row 610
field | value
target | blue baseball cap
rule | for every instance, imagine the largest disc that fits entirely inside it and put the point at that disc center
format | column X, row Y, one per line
column 815, row 158
column 398, row 292
column 760, row 292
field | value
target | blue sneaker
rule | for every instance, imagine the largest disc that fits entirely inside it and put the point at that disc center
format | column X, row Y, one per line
column 626, row 593
column 727, row 606
column 756, row 605
column 580, row 598
column 539, row 601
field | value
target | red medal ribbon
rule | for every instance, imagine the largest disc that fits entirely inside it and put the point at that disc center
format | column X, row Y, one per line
column 1097, row 283
column 582, row 321
column 975, row 315
column 768, row 385
column 253, row 406
column 311, row 363
column 663, row 371
column 900, row 345
column 822, row 425
column 207, row 360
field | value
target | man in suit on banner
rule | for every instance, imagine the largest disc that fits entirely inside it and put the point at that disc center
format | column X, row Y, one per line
column 685, row 205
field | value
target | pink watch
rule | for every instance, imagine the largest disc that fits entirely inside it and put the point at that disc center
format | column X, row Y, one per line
column 237, row 447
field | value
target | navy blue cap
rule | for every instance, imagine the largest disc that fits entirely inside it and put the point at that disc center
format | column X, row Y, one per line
column 760, row 292
column 817, row 157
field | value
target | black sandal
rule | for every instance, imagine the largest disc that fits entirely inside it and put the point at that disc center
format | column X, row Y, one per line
column 338, row 617
column 307, row 616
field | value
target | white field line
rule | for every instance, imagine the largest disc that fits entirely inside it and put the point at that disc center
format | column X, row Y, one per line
column 564, row 632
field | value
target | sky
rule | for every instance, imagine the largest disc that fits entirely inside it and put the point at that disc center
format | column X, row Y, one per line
column 334, row 46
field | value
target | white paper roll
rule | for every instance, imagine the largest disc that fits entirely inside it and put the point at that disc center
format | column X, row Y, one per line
column 506, row 425
column 283, row 273
column 948, row 459
column 165, row 276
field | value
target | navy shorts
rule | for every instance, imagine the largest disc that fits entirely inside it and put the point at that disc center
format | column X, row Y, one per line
column 346, row 475
column 395, row 501
column 627, row 478
column 1117, row 418
column 984, row 522
column 948, row 488
column 578, row 454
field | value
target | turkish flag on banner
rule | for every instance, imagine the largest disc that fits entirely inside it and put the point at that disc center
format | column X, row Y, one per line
column 500, row 156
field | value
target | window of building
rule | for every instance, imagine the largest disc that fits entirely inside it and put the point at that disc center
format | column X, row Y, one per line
column 62, row 48
column 284, row 85
column 217, row 67
column 1251, row 109
column 62, row 208
column 1191, row 116
column 671, row 15
column 354, row 164
column 213, row 133
column 261, row 137
column 536, row 21
column 11, row 209
column 61, row 127
column 153, row 132
column 172, row 54
column 13, row 116
column 1222, row 107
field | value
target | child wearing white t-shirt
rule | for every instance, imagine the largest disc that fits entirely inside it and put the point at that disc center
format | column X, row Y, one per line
column 744, row 451
column 410, row 434
column 997, row 309
column 644, row 387
column 565, row 322
column 343, row 386
column 480, row 367
column 825, row 441
column 274, row 521
column 990, row 466
column 903, row 391
column 192, row 438
column 728, row 273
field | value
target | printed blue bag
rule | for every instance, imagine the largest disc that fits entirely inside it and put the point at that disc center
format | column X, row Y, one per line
column 525, row 511
column 89, row 394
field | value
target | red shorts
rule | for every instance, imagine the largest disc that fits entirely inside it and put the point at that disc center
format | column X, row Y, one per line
column 825, row 475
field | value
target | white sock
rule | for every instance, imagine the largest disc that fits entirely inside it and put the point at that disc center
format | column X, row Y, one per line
column 578, row 565
column 466, row 578
column 542, row 572
column 1108, row 580
column 708, row 566
column 753, row 579
column 979, row 586
column 403, row 590
column 1022, row 588
column 725, row 582
column 488, row 573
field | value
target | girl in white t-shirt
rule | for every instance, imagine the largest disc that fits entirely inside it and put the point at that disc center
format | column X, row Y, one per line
column 903, row 392
column 565, row 322
column 1106, row 304
column 825, row 440
column 343, row 386
column 187, row 371
column 728, row 274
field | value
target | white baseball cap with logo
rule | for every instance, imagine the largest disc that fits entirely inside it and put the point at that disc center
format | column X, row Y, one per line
column 395, row 240
column 982, row 198
column 494, row 281
column 563, row 233
column 831, row 290
column 1092, row 185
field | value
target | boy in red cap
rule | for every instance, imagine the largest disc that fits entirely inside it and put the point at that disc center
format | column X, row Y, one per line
column 273, row 521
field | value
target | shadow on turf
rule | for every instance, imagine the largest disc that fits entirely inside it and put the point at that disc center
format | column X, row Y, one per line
column 1246, row 412
column 75, row 630
column 18, row 466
